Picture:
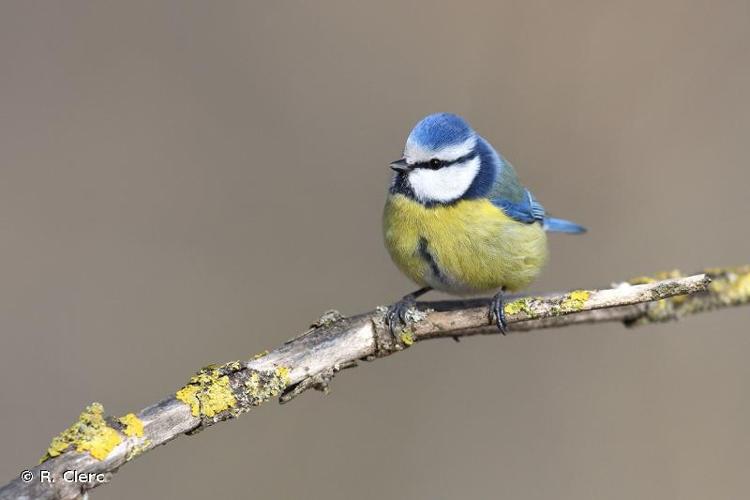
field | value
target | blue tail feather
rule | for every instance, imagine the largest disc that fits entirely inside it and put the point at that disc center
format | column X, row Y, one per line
column 562, row 226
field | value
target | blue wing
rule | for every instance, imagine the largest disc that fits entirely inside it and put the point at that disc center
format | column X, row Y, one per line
column 517, row 201
column 529, row 210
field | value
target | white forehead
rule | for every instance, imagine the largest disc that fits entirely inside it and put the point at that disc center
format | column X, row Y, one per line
column 418, row 153
column 445, row 184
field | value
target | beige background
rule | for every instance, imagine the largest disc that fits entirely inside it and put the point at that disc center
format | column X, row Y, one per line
column 192, row 182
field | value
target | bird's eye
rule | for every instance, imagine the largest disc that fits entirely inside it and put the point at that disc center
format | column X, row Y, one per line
column 435, row 163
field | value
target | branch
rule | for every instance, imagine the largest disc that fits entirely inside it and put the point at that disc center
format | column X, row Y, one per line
column 96, row 445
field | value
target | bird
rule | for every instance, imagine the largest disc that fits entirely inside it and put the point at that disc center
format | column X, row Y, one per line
column 458, row 220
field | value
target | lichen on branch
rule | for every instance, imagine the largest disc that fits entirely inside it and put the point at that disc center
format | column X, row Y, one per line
column 99, row 444
column 219, row 392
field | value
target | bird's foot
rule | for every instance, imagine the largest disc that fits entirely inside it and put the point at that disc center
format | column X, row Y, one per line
column 396, row 317
column 497, row 312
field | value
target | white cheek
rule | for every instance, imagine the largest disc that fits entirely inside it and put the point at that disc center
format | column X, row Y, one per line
column 445, row 184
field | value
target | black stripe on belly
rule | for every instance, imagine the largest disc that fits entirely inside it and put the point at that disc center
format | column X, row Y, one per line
column 427, row 256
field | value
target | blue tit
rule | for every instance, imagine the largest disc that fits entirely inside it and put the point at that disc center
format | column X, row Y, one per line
column 458, row 220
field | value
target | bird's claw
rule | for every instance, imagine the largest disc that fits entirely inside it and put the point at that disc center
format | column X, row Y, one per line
column 396, row 316
column 497, row 312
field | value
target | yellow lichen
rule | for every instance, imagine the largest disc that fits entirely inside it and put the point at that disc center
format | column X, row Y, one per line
column 661, row 310
column 728, row 286
column 716, row 271
column 260, row 355
column 90, row 433
column 733, row 289
column 518, row 306
column 132, row 425
column 407, row 337
column 232, row 366
column 328, row 318
column 574, row 301
column 208, row 393
column 189, row 395
column 678, row 300
column 137, row 449
column 642, row 280
column 283, row 373
column 663, row 275
column 262, row 386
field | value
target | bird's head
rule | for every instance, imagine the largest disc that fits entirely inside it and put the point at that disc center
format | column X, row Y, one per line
column 440, row 161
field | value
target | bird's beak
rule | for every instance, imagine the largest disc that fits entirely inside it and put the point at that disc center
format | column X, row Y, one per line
column 401, row 166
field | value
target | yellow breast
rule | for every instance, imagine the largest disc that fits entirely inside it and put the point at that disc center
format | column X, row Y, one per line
column 467, row 247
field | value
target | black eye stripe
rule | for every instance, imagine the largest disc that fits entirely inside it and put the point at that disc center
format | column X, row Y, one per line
column 428, row 164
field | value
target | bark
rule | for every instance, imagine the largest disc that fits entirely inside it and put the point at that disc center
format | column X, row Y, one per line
column 97, row 444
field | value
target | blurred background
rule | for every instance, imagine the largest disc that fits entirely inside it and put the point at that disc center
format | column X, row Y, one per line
column 190, row 182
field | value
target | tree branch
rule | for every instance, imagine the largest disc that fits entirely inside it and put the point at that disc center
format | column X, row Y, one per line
column 97, row 445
